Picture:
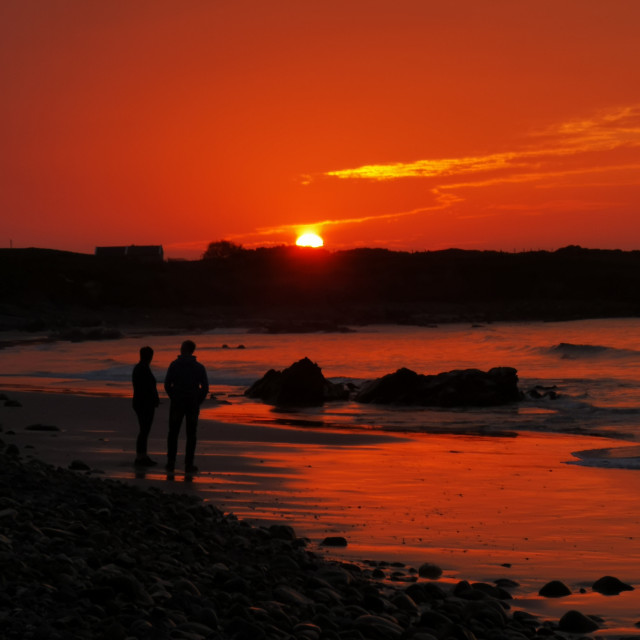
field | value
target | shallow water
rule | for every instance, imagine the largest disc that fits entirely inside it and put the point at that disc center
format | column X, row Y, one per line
column 593, row 365
column 474, row 501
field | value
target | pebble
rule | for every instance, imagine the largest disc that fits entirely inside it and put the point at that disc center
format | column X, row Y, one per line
column 334, row 541
column 83, row 557
column 428, row 570
column 42, row 427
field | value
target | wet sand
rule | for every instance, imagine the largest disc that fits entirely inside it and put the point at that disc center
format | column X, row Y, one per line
column 481, row 508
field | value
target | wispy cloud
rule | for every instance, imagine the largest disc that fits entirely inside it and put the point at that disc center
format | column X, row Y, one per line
column 427, row 168
column 442, row 202
column 605, row 132
column 554, row 157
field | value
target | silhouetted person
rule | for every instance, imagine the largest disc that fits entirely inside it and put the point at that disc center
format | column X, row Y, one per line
column 187, row 386
column 145, row 401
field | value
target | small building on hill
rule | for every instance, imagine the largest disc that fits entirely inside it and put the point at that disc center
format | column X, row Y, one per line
column 139, row 253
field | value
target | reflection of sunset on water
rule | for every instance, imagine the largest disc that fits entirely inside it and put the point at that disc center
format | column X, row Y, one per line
column 411, row 484
column 479, row 501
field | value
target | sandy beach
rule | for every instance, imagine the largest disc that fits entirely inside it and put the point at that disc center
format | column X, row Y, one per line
column 481, row 508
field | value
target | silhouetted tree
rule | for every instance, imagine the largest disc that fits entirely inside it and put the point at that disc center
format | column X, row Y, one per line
column 221, row 249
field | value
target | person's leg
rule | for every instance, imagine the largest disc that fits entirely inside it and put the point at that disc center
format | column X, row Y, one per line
column 175, row 420
column 192, row 428
column 145, row 420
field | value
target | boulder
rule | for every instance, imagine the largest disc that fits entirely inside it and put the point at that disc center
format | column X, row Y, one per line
column 610, row 586
column 576, row 622
column 458, row 388
column 554, row 589
column 300, row 385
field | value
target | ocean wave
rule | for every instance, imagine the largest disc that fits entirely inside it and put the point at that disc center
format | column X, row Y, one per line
column 570, row 351
column 627, row 457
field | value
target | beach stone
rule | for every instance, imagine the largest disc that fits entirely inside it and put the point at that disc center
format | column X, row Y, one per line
column 378, row 627
column 576, row 622
column 334, row 576
column 97, row 500
column 491, row 614
column 418, row 593
column 334, row 541
column 282, row 531
column 196, row 628
column 405, row 602
column 554, row 589
column 12, row 450
column 114, row 631
column 307, row 630
column 610, row 586
column 285, row 563
column 291, row 595
column 491, row 590
column 506, row 583
column 464, row 589
column 430, row 571
column 183, row 585
column 434, row 619
column 245, row 629
column 42, row 427
column 121, row 582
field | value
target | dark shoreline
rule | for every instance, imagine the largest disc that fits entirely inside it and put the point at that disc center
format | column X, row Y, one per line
column 288, row 289
column 94, row 558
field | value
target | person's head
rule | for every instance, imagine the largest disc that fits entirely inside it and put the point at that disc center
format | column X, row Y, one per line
column 187, row 348
column 146, row 354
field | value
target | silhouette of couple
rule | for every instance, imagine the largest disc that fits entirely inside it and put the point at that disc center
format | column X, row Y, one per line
column 187, row 386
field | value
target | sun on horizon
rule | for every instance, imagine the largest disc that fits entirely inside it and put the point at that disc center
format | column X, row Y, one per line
column 310, row 240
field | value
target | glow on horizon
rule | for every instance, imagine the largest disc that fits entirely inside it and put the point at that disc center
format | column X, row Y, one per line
column 498, row 125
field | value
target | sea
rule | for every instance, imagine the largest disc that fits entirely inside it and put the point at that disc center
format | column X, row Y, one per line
column 579, row 377
column 482, row 505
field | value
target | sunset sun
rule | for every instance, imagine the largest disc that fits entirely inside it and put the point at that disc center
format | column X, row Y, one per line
column 309, row 240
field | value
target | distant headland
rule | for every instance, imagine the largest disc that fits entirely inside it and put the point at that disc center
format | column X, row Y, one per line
column 297, row 289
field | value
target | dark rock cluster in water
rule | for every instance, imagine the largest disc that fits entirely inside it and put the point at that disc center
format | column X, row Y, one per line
column 459, row 388
column 302, row 384
column 85, row 558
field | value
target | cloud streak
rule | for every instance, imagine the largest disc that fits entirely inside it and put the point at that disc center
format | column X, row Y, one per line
column 550, row 158
column 607, row 131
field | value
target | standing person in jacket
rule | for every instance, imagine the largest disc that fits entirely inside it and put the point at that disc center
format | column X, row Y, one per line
column 187, row 386
column 145, row 401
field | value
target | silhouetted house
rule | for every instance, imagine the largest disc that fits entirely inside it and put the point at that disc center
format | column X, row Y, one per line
column 143, row 253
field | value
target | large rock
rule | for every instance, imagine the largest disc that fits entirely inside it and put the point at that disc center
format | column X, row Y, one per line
column 300, row 385
column 458, row 388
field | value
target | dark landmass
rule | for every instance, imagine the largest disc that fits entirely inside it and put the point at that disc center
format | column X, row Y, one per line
column 291, row 288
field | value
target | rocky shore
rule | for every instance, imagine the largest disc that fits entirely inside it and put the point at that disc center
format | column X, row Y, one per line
column 85, row 557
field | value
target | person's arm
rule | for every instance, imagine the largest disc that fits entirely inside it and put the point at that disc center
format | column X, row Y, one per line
column 135, row 377
column 168, row 381
column 204, row 385
column 156, row 397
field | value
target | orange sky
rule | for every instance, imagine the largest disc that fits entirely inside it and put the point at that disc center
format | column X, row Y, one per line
column 407, row 124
